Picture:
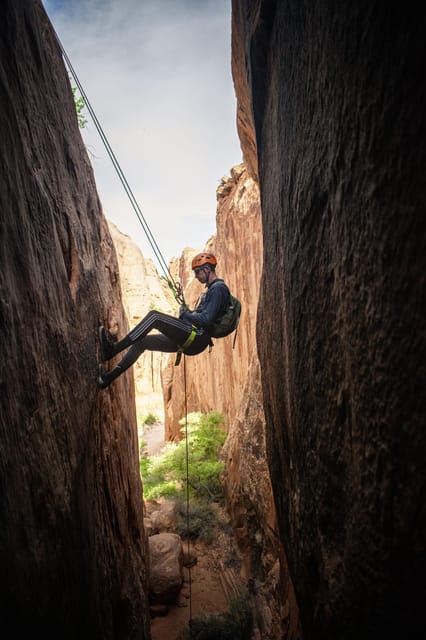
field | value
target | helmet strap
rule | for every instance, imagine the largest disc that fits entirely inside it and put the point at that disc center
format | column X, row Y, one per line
column 209, row 271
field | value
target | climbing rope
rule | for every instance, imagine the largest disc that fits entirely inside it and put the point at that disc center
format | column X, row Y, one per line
column 187, row 488
column 174, row 286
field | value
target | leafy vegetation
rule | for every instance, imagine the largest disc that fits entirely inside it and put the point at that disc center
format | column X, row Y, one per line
column 165, row 475
column 79, row 106
column 200, row 517
column 149, row 419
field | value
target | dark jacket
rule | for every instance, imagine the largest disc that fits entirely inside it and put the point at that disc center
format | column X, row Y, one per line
column 212, row 305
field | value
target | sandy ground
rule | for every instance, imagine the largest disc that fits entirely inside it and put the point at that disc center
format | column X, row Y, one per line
column 207, row 596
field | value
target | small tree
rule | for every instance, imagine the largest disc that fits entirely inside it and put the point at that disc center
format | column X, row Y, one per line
column 165, row 474
column 79, row 106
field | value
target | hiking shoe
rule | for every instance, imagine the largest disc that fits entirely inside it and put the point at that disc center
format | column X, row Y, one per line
column 107, row 347
column 102, row 382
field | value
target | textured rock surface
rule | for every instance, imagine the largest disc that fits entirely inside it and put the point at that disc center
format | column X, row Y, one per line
column 166, row 561
column 72, row 548
column 142, row 290
column 215, row 381
column 338, row 99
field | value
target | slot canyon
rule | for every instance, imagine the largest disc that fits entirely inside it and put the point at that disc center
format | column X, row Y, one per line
column 320, row 232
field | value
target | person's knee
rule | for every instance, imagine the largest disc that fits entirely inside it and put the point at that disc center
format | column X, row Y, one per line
column 138, row 348
column 155, row 315
column 132, row 355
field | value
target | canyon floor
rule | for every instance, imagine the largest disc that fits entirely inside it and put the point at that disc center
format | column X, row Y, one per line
column 207, row 596
column 210, row 584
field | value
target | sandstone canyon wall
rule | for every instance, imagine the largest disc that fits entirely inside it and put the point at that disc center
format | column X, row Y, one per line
column 338, row 102
column 72, row 545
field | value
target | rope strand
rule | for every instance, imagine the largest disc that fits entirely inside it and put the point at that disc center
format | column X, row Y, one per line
column 187, row 485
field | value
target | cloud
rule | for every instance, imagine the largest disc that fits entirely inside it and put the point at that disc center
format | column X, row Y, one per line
column 158, row 76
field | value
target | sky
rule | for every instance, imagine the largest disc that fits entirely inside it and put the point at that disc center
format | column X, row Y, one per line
column 157, row 74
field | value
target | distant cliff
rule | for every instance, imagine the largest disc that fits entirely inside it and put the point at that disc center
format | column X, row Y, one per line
column 216, row 379
column 72, row 545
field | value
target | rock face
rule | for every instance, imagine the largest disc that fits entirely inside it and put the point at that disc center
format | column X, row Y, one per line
column 142, row 290
column 338, row 102
column 215, row 381
column 72, row 547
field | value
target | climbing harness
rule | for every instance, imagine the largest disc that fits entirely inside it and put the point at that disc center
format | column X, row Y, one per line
column 175, row 287
column 190, row 339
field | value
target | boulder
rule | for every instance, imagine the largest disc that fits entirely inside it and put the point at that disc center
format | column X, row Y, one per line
column 162, row 515
column 166, row 572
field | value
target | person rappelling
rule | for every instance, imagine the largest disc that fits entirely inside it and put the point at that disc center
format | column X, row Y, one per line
column 216, row 315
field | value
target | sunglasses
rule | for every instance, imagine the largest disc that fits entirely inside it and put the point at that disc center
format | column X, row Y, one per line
column 198, row 269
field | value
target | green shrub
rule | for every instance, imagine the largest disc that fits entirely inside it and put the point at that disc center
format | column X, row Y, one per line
column 197, row 522
column 158, row 481
column 150, row 419
column 166, row 473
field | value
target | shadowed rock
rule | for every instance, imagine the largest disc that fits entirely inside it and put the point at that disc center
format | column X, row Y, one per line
column 338, row 101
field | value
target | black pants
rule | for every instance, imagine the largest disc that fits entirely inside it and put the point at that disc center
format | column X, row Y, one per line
column 173, row 334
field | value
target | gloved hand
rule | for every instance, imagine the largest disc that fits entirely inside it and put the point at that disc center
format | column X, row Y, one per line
column 183, row 309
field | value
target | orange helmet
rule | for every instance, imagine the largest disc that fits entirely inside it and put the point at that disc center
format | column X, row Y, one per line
column 203, row 258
